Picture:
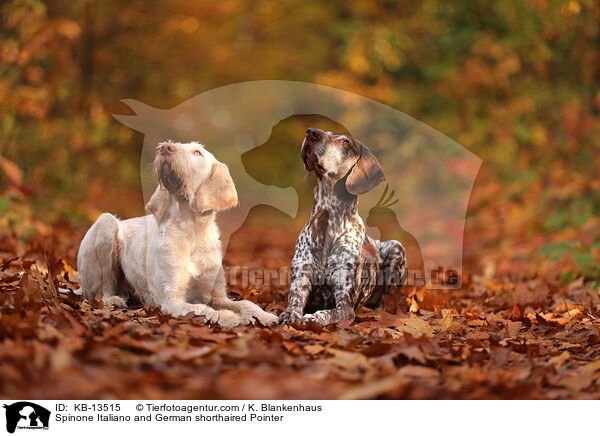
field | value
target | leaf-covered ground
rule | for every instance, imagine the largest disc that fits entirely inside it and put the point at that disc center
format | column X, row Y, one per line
column 512, row 332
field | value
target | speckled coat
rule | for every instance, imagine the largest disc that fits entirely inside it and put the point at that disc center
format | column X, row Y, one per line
column 336, row 267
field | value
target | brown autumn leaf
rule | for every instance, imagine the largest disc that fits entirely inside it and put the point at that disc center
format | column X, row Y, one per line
column 560, row 360
column 376, row 349
column 512, row 328
column 448, row 323
column 415, row 326
column 12, row 171
column 591, row 367
column 579, row 382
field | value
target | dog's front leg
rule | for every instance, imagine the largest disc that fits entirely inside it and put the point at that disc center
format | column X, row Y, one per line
column 224, row 318
column 177, row 306
column 300, row 287
column 170, row 293
column 344, row 309
column 246, row 309
column 341, row 277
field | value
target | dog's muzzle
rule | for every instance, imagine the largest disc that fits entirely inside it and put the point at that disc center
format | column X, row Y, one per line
column 166, row 149
column 166, row 175
column 308, row 154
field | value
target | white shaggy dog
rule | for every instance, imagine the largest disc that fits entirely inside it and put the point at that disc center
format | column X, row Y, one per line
column 172, row 258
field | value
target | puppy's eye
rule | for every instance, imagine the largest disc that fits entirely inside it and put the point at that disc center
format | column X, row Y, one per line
column 197, row 153
column 346, row 143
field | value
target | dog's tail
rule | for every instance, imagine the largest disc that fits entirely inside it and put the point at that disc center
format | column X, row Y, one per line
column 97, row 260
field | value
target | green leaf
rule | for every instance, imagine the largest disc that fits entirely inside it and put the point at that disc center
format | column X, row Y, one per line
column 522, row 132
column 584, row 260
column 556, row 220
column 556, row 250
column 4, row 203
column 567, row 277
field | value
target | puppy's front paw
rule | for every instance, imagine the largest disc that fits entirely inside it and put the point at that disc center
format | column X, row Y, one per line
column 289, row 317
column 115, row 301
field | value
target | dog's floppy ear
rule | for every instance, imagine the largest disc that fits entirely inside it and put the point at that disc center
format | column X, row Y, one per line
column 159, row 203
column 218, row 191
column 366, row 174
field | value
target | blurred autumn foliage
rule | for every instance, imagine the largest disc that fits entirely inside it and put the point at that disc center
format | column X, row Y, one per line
column 516, row 82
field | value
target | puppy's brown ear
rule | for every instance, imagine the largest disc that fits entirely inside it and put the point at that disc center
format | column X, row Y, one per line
column 218, row 191
column 366, row 174
column 159, row 203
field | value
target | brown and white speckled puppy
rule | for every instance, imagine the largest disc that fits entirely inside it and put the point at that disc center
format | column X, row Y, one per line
column 336, row 267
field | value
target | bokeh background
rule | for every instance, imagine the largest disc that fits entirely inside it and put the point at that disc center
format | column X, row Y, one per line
column 515, row 82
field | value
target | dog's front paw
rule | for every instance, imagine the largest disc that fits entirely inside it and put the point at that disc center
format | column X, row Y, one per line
column 289, row 317
column 114, row 300
column 228, row 319
column 246, row 317
column 267, row 319
column 319, row 317
column 251, row 312
column 307, row 318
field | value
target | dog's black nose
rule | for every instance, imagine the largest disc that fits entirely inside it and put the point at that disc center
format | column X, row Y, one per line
column 313, row 133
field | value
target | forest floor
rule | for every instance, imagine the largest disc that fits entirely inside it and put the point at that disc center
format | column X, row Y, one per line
column 512, row 331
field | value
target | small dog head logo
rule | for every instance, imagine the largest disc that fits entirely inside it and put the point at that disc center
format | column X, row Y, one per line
column 26, row 415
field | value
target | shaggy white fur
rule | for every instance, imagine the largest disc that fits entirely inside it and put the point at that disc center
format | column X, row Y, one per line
column 172, row 258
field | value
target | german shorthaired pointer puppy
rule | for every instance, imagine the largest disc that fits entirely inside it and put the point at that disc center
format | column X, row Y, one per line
column 336, row 267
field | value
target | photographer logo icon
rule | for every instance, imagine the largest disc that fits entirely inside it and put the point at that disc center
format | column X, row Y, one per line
column 26, row 415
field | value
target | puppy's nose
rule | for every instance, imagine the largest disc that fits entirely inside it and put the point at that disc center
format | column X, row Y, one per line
column 166, row 149
column 313, row 133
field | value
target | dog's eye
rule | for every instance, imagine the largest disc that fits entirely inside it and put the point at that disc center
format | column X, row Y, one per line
column 197, row 153
column 346, row 143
